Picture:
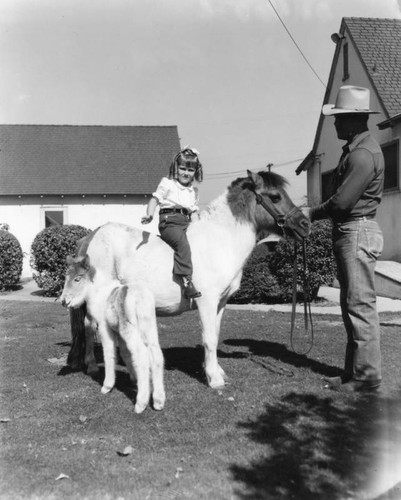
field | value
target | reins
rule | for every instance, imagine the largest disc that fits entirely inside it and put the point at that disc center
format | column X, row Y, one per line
column 280, row 220
column 306, row 302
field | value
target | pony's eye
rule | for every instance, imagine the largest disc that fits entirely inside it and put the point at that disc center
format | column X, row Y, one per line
column 275, row 198
column 77, row 278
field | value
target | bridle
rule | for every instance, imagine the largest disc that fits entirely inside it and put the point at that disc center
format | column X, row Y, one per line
column 280, row 219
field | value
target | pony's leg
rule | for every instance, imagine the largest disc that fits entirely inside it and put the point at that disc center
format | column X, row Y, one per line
column 136, row 358
column 210, row 318
column 109, row 355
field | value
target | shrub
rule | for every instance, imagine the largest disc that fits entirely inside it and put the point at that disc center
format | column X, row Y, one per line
column 321, row 267
column 11, row 258
column 49, row 253
column 258, row 285
column 268, row 276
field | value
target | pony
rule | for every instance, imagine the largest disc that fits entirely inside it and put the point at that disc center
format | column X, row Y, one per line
column 221, row 242
column 123, row 314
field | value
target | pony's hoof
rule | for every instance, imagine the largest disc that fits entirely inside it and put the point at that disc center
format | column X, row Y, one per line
column 217, row 384
column 216, row 381
column 105, row 390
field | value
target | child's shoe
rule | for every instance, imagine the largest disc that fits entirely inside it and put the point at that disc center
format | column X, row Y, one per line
column 190, row 291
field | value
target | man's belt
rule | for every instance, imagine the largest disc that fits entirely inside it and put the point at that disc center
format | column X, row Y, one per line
column 356, row 219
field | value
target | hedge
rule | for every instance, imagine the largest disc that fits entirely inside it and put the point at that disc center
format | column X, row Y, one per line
column 49, row 252
column 11, row 260
column 268, row 275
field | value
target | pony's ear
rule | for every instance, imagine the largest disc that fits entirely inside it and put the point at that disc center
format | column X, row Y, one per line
column 255, row 178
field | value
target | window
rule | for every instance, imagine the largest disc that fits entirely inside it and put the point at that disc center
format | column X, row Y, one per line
column 327, row 185
column 391, row 155
column 53, row 216
column 345, row 62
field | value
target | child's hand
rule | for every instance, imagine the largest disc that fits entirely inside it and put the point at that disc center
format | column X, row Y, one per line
column 147, row 219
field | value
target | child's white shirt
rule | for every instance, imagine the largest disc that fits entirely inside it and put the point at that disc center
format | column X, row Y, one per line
column 171, row 194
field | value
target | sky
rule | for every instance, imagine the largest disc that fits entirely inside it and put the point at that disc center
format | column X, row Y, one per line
column 225, row 72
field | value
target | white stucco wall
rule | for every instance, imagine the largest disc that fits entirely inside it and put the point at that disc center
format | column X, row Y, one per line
column 26, row 221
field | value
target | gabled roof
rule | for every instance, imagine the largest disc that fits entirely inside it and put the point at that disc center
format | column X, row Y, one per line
column 378, row 42
column 69, row 160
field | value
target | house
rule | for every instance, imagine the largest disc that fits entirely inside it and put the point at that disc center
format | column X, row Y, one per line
column 86, row 175
column 367, row 54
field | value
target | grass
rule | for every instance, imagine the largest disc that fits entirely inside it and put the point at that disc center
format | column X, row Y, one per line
column 274, row 432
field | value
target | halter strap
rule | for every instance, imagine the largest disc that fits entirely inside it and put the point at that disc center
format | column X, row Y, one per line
column 280, row 219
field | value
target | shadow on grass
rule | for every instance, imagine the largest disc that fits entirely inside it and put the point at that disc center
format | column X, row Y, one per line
column 317, row 447
column 188, row 360
column 280, row 352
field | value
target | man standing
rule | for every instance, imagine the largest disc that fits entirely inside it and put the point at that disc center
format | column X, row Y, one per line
column 357, row 238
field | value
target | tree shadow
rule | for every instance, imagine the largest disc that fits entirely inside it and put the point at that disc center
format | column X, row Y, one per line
column 317, row 447
column 279, row 352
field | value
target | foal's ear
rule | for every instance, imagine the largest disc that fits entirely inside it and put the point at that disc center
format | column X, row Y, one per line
column 69, row 260
column 86, row 264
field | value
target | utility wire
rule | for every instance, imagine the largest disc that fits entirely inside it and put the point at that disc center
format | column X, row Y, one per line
column 296, row 45
column 222, row 175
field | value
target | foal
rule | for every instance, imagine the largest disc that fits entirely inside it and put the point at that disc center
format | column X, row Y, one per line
column 123, row 315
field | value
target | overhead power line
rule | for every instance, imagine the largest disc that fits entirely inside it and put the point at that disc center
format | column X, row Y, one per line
column 222, row 175
column 296, row 45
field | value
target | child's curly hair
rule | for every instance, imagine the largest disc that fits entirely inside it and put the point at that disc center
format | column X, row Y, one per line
column 189, row 158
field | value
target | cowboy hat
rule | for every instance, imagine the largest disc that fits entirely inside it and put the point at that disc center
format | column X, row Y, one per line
column 350, row 99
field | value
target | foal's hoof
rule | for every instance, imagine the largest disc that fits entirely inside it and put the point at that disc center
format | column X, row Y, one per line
column 139, row 407
column 105, row 390
column 158, row 405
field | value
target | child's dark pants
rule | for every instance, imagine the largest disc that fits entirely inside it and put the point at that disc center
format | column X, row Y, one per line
column 173, row 229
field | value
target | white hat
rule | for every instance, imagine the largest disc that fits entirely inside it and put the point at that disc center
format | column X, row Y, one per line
column 350, row 99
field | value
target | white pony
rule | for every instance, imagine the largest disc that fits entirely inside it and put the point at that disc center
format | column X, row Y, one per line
column 221, row 242
column 122, row 315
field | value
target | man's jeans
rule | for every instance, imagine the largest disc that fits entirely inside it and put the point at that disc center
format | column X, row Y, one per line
column 357, row 245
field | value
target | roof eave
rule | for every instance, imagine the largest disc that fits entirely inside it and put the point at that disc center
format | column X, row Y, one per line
column 389, row 122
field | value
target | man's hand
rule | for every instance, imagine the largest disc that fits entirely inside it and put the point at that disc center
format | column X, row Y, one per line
column 147, row 219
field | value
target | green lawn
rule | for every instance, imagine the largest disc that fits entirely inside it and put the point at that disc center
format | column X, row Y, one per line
column 274, row 432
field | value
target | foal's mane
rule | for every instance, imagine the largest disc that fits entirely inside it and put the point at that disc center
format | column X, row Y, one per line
column 241, row 193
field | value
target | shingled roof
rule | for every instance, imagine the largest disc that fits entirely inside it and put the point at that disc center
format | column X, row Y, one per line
column 379, row 44
column 70, row 160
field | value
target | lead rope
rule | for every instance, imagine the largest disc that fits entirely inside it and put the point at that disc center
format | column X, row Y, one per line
column 307, row 306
